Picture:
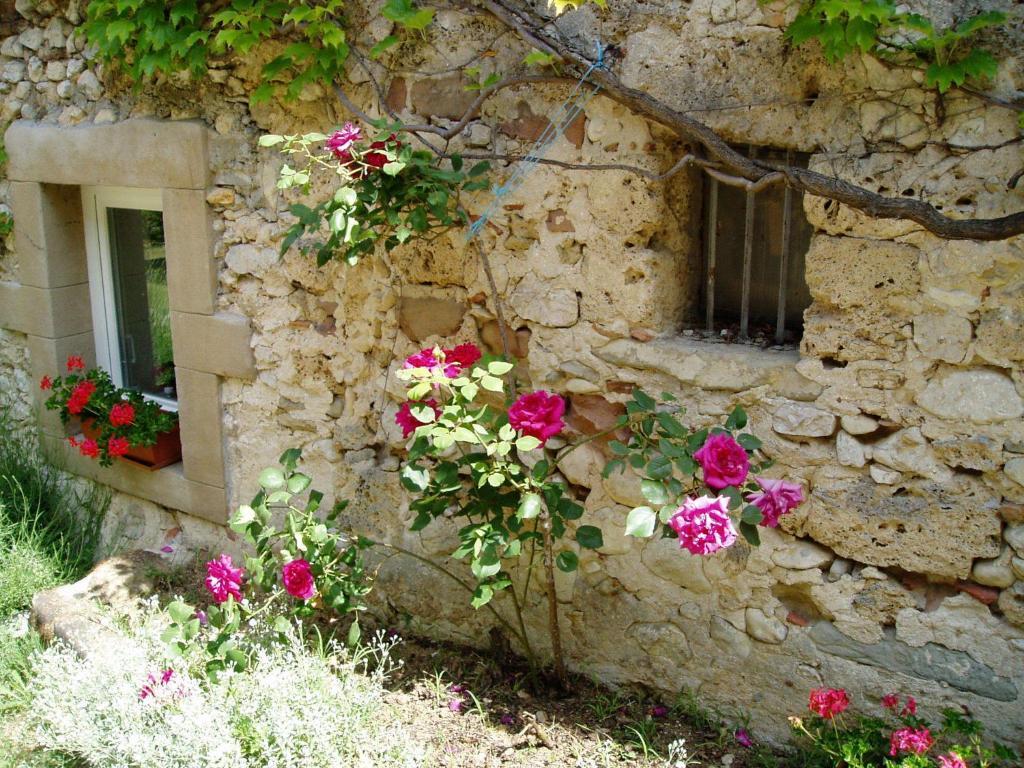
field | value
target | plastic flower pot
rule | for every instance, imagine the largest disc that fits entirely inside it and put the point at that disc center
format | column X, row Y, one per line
column 166, row 450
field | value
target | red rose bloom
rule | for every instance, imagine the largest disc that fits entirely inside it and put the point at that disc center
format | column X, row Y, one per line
column 45, row 383
column 76, row 363
column 122, row 414
column 724, row 462
column 117, row 446
column 538, row 414
column 828, row 702
column 379, row 159
column 462, row 356
column 298, row 579
column 89, row 447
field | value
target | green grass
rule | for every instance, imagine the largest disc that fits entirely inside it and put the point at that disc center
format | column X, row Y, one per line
column 49, row 528
column 49, row 535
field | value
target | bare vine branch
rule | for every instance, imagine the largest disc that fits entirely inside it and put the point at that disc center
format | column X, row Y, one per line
column 529, row 28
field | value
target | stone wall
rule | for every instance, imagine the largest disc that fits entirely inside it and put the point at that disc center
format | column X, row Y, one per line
column 900, row 411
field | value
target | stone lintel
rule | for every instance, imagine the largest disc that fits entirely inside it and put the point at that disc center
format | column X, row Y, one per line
column 134, row 153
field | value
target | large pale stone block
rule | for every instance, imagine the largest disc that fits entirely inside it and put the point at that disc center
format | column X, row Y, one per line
column 730, row 368
column 200, row 414
column 547, row 302
column 942, row 336
column 803, row 420
column 64, row 311
column 848, row 272
column 135, row 153
column 217, row 343
column 50, row 235
column 423, row 316
column 980, row 396
column 936, row 528
column 168, row 486
column 191, row 269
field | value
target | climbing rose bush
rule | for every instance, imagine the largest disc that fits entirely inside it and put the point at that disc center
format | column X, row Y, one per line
column 894, row 736
column 307, row 567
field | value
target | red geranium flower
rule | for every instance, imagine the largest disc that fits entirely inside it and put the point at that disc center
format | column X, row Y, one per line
column 88, row 447
column 828, row 702
column 45, row 383
column 80, row 396
column 118, row 446
column 76, row 363
column 122, row 414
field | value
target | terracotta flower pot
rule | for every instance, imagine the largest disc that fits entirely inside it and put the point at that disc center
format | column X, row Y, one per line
column 166, row 450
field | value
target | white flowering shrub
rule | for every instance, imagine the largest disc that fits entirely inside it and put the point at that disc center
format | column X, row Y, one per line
column 123, row 707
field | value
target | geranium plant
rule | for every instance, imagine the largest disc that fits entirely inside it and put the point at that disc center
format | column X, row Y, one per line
column 895, row 738
column 119, row 419
column 305, row 568
column 387, row 191
column 479, row 455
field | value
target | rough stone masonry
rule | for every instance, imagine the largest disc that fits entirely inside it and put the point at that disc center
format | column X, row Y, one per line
column 901, row 411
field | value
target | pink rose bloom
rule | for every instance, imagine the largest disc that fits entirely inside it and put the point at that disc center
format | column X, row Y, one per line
column 425, row 358
column 538, row 414
column 453, row 360
column 724, row 461
column 298, row 579
column 341, row 141
column 952, row 760
column 223, row 579
column 408, row 422
column 776, row 498
column 828, row 702
column 916, row 740
column 703, row 525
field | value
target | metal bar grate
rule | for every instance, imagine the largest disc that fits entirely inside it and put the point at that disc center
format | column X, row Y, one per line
column 712, row 247
column 787, row 236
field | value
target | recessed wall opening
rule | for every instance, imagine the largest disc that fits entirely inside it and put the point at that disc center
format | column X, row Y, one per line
column 754, row 247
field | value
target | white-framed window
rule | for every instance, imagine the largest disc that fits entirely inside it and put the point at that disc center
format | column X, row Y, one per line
column 124, row 239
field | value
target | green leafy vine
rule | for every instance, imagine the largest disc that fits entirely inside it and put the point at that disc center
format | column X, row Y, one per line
column 949, row 56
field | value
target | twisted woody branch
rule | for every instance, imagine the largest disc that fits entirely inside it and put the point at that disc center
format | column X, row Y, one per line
column 724, row 162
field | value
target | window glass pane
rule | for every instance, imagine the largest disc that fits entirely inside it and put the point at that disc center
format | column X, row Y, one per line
column 139, row 269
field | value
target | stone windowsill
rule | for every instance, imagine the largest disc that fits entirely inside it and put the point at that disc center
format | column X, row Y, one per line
column 704, row 364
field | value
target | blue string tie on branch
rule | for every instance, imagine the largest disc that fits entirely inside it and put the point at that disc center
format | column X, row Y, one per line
column 558, row 124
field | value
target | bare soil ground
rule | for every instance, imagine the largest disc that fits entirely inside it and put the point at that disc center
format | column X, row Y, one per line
column 472, row 712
